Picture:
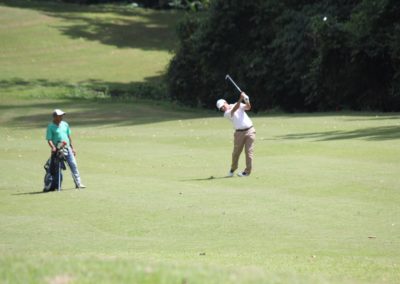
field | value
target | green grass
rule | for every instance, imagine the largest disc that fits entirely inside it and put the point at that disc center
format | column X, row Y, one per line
column 50, row 49
column 322, row 205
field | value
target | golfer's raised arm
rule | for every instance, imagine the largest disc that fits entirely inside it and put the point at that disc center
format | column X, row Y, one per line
column 237, row 105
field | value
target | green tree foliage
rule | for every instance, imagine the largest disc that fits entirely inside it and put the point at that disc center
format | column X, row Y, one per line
column 286, row 54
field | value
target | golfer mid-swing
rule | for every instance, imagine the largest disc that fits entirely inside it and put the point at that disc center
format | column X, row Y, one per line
column 244, row 135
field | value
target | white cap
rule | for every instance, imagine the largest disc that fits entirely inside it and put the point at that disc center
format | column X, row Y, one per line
column 220, row 103
column 58, row 112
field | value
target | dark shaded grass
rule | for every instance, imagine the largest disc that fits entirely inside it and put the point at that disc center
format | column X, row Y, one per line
column 154, row 32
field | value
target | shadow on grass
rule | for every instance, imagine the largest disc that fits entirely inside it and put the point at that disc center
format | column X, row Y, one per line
column 377, row 117
column 43, row 192
column 108, row 110
column 78, row 89
column 120, row 25
column 94, row 113
column 370, row 133
column 206, row 179
column 30, row 193
column 19, row 83
column 116, row 112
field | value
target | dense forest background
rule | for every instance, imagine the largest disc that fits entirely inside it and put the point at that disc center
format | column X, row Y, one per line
column 287, row 55
column 292, row 55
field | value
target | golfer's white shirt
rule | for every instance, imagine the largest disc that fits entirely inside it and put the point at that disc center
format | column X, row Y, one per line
column 240, row 119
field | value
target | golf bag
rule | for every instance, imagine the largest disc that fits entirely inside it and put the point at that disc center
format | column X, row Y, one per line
column 53, row 168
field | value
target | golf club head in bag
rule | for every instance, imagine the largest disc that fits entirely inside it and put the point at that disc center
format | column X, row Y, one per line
column 62, row 150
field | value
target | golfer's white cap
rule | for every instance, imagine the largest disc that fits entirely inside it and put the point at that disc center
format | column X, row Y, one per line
column 58, row 112
column 220, row 103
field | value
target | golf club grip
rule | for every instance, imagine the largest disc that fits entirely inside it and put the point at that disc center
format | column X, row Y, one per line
column 233, row 83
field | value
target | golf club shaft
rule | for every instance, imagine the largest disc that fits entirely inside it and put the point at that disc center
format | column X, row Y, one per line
column 227, row 77
column 59, row 176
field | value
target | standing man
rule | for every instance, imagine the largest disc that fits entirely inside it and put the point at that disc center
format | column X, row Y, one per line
column 244, row 135
column 59, row 131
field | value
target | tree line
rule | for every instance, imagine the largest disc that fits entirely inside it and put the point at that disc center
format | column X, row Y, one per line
column 294, row 55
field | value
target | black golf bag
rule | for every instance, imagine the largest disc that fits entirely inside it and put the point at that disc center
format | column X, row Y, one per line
column 53, row 167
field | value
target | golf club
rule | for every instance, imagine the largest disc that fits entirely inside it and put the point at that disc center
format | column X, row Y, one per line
column 229, row 79
column 59, row 176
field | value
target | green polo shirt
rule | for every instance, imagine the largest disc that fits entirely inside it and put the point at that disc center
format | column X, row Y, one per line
column 58, row 133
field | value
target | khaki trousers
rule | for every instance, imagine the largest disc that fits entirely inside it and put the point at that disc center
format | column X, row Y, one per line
column 243, row 139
